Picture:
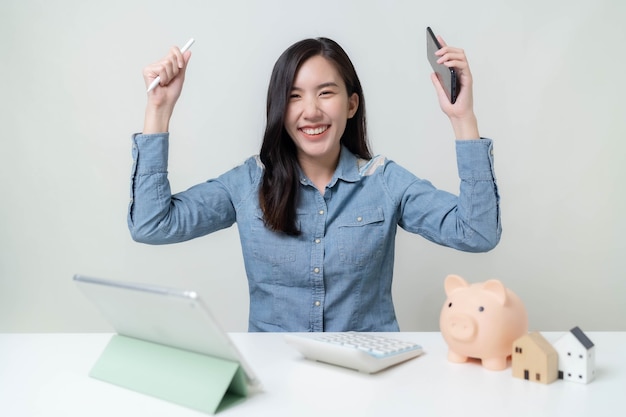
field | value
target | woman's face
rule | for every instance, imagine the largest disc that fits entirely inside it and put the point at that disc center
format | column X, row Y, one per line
column 318, row 110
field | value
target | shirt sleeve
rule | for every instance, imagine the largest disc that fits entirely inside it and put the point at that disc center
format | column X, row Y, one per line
column 155, row 216
column 469, row 221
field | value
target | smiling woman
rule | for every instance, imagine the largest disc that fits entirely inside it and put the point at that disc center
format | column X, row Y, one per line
column 310, row 72
column 317, row 113
column 316, row 213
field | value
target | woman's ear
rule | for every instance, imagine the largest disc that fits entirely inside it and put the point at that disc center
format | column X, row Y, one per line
column 353, row 105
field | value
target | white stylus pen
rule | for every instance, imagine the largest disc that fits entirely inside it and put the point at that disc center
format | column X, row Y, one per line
column 157, row 80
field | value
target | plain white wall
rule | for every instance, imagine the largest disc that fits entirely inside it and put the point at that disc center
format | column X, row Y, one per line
column 548, row 88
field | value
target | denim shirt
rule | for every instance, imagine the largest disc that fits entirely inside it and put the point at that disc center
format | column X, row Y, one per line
column 337, row 274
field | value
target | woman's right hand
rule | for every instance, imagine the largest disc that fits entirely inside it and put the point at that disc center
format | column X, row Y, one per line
column 162, row 99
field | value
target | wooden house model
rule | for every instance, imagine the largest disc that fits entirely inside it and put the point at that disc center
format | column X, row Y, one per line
column 576, row 356
column 534, row 359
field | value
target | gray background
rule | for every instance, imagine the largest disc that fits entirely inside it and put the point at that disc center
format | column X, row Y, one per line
column 549, row 89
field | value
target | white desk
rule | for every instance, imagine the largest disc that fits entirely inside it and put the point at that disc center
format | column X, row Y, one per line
column 46, row 375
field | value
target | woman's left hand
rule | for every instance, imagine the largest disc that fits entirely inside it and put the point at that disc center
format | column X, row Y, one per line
column 461, row 113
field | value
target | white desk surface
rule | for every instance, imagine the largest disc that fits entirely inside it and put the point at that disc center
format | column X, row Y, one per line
column 46, row 375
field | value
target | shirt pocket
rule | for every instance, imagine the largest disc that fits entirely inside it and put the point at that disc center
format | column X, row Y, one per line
column 361, row 236
column 269, row 246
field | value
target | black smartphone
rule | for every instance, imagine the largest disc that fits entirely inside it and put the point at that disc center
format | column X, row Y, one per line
column 447, row 76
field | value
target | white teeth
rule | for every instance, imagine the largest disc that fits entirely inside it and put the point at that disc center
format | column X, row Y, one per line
column 316, row 131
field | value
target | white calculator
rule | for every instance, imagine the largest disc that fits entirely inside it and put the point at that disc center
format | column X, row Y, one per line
column 365, row 352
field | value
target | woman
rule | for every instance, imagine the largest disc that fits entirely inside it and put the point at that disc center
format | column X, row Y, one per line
column 317, row 215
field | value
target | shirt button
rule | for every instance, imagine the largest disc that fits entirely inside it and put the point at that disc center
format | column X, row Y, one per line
column 317, row 240
column 317, row 304
column 321, row 211
column 316, row 270
column 359, row 219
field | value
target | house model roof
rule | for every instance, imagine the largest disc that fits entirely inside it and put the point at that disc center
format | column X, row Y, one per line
column 582, row 337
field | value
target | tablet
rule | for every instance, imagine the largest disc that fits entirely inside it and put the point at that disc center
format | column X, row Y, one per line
column 163, row 315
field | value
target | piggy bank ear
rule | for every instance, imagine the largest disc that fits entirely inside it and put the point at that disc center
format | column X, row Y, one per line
column 454, row 282
column 496, row 288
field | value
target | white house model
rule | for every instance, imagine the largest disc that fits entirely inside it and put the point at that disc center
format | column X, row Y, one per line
column 577, row 357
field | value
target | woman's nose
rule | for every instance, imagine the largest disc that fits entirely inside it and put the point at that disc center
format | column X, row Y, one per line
column 311, row 109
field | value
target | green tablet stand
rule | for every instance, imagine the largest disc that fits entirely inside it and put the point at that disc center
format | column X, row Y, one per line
column 191, row 379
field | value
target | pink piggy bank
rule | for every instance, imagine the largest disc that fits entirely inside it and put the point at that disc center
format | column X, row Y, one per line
column 481, row 321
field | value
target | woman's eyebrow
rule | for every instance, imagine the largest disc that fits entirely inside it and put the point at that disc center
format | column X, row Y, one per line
column 328, row 84
column 319, row 87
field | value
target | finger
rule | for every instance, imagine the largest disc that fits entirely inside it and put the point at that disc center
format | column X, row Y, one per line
column 151, row 72
column 186, row 57
column 166, row 72
column 453, row 52
column 456, row 63
column 178, row 56
column 455, row 58
column 169, row 68
column 441, row 41
column 175, row 62
column 180, row 73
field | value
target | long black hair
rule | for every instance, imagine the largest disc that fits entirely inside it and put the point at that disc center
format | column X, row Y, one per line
column 279, row 190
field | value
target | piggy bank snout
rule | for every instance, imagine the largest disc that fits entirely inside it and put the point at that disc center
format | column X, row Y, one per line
column 461, row 327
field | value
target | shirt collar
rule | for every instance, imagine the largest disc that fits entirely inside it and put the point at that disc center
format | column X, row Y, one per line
column 347, row 168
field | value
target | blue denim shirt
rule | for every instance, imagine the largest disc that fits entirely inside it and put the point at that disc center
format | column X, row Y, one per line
column 337, row 275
